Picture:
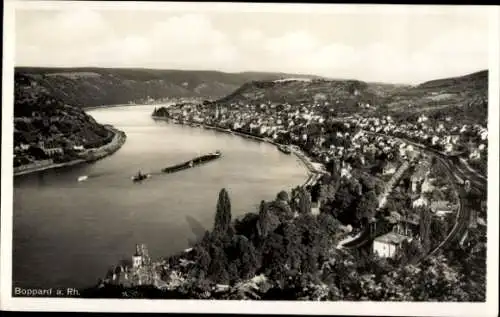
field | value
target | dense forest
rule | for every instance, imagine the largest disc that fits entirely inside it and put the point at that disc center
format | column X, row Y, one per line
column 283, row 252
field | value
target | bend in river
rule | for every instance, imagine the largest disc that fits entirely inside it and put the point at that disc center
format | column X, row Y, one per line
column 68, row 233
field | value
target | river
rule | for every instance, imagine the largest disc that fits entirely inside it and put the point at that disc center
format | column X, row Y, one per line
column 68, row 233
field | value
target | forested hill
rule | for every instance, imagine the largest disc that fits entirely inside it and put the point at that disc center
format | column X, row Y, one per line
column 88, row 87
column 465, row 96
column 339, row 94
column 41, row 117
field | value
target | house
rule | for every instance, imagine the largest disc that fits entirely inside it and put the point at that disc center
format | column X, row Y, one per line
column 315, row 207
column 448, row 147
column 427, row 186
column 389, row 168
column 475, row 155
column 420, row 175
column 420, row 202
column 441, row 207
column 484, row 134
column 408, row 226
column 50, row 149
column 387, row 245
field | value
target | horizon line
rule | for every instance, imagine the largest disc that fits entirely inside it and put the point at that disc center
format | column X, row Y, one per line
column 251, row 71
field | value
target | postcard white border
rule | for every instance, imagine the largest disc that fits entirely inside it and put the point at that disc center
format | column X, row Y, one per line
column 255, row 307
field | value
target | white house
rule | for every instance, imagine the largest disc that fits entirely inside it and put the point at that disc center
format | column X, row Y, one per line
column 388, row 244
column 484, row 134
column 420, row 202
column 475, row 155
column 389, row 169
column 315, row 206
column 448, row 147
column 441, row 208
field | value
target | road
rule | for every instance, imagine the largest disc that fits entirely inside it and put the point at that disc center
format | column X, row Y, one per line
column 458, row 172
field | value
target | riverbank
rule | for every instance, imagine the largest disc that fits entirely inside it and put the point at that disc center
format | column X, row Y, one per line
column 90, row 155
column 314, row 172
column 108, row 106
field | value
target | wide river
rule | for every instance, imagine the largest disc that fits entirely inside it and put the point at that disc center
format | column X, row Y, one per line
column 68, row 233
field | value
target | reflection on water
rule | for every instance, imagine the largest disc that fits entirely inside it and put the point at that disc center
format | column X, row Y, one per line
column 67, row 233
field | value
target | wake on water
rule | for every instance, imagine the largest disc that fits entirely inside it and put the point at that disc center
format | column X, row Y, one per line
column 83, row 178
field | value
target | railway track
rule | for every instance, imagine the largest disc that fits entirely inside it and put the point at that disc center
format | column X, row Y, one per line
column 458, row 174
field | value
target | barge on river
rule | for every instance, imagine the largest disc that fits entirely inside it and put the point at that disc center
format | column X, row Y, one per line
column 192, row 163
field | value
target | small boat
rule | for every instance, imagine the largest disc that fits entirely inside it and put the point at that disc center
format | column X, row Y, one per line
column 82, row 178
column 285, row 149
column 140, row 177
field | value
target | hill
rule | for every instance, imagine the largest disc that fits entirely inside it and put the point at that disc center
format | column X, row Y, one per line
column 46, row 128
column 343, row 95
column 88, row 87
column 466, row 96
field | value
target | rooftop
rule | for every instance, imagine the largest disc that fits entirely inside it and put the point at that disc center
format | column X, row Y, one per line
column 441, row 204
column 392, row 238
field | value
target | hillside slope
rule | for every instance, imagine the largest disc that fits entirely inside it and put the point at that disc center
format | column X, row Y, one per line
column 464, row 98
column 87, row 87
column 466, row 95
column 44, row 123
column 342, row 95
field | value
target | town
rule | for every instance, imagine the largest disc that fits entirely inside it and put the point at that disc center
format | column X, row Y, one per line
column 420, row 186
column 375, row 145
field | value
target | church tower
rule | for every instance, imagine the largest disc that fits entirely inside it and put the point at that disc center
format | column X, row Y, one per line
column 137, row 258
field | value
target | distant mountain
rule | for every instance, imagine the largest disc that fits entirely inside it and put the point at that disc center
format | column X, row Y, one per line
column 87, row 87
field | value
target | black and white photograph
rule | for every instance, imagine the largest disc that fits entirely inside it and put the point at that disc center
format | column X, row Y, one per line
column 248, row 155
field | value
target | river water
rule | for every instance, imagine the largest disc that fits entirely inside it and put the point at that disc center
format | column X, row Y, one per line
column 68, row 233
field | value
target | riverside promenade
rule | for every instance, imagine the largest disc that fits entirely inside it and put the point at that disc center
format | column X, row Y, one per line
column 90, row 155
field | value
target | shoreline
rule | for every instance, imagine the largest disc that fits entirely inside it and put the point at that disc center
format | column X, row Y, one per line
column 119, row 138
column 313, row 173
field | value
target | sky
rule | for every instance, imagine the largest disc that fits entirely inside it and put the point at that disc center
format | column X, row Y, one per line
column 407, row 46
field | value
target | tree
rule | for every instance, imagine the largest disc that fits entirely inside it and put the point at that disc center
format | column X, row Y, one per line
column 223, row 214
column 217, row 270
column 273, row 256
column 367, row 206
column 283, row 196
column 247, row 226
column 304, row 205
column 329, row 226
column 202, row 262
column 425, row 228
column 267, row 221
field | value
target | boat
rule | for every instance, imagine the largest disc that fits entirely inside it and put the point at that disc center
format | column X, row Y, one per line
column 285, row 149
column 140, row 177
column 82, row 178
column 194, row 162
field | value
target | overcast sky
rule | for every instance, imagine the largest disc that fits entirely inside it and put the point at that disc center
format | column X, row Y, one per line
column 407, row 47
